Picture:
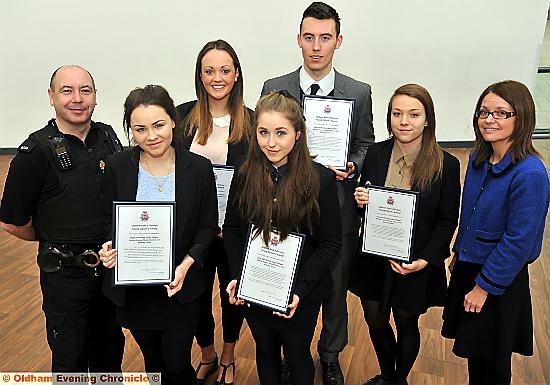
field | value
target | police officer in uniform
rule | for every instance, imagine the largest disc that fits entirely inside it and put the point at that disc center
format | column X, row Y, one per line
column 52, row 195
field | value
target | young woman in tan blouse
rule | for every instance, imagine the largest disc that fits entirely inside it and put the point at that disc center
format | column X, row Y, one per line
column 410, row 159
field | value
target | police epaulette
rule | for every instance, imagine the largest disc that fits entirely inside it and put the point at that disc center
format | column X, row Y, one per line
column 27, row 145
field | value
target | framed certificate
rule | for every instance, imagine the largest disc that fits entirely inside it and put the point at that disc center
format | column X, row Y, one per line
column 268, row 273
column 224, row 175
column 143, row 234
column 328, row 122
column 388, row 224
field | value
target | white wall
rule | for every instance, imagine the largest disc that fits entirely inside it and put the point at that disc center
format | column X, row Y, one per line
column 455, row 48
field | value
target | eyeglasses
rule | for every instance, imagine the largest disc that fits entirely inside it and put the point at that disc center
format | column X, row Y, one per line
column 496, row 114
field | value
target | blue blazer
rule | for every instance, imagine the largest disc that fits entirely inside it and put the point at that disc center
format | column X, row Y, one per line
column 503, row 215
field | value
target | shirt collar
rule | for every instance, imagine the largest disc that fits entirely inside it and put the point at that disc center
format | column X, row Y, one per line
column 397, row 154
column 326, row 84
column 277, row 171
column 501, row 166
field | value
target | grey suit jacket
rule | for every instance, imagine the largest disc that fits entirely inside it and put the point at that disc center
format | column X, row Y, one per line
column 362, row 131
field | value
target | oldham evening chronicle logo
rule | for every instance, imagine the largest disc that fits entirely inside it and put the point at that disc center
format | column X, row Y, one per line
column 144, row 216
column 390, row 200
column 327, row 109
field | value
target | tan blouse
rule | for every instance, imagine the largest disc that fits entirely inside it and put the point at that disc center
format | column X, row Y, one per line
column 399, row 170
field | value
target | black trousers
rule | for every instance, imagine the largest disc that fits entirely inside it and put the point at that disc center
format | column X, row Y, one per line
column 232, row 316
column 485, row 372
column 169, row 351
column 294, row 337
column 334, row 334
column 81, row 328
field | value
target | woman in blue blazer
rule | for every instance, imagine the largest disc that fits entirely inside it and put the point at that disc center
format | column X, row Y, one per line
column 504, row 205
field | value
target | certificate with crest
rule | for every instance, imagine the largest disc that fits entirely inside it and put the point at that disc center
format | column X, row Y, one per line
column 224, row 175
column 268, row 272
column 388, row 224
column 143, row 234
column 329, row 121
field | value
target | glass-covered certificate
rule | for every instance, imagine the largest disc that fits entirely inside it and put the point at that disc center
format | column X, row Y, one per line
column 388, row 226
column 329, row 121
column 223, row 175
column 143, row 234
column 268, row 273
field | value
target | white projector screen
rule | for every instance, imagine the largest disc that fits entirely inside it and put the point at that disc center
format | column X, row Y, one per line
column 454, row 48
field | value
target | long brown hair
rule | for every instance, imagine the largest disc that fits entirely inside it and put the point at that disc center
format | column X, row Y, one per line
column 518, row 96
column 200, row 117
column 297, row 194
column 428, row 166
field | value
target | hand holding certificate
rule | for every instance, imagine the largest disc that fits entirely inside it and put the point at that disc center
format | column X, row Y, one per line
column 329, row 121
column 268, row 272
column 144, row 239
column 388, row 226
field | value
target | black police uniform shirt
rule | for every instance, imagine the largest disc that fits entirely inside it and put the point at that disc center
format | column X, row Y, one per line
column 32, row 181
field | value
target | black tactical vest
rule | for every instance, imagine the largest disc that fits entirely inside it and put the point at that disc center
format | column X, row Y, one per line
column 74, row 215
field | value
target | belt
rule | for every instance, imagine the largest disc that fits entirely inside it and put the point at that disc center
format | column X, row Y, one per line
column 53, row 256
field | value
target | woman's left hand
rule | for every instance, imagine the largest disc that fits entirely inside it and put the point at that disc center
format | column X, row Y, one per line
column 232, row 293
column 407, row 268
column 475, row 299
column 179, row 276
column 343, row 175
column 293, row 305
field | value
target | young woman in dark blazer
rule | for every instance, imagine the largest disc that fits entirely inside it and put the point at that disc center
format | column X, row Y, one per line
column 217, row 125
column 411, row 159
column 279, row 186
column 162, row 319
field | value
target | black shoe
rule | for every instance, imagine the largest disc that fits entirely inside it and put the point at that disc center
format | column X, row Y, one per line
column 332, row 374
column 399, row 382
column 285, row 373
column 212, row 370
column 377, row 380
column 225, row 367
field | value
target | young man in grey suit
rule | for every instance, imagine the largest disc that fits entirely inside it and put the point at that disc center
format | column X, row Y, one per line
column 319, row 37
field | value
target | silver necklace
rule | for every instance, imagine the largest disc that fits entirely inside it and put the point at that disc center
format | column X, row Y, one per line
column 160, row 185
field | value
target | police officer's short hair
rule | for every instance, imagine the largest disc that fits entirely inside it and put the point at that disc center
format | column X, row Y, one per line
column 52, row 79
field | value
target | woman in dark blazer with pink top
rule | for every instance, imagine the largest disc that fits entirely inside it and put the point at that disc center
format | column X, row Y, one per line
column 217, row 125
